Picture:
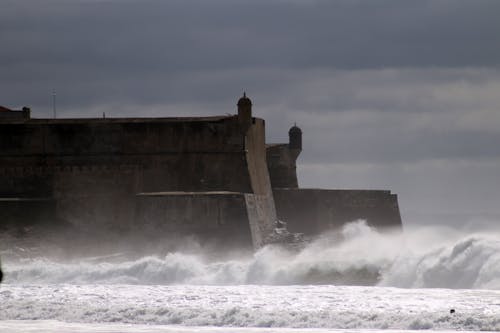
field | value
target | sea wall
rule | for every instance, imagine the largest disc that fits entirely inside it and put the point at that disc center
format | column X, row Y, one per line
column 105, row 174
column 281, row 163
column 174, row 154
column 93, row 169
column 102, row 198
column 260, row 205
column 20, row 213
column 313, row 211
column 218, row 218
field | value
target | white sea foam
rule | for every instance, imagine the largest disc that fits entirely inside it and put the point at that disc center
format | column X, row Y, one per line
column 193, row 291
column 357, row 255
column 255, row 306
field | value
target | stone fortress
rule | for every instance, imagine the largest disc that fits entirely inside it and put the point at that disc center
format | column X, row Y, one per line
column 209, row 177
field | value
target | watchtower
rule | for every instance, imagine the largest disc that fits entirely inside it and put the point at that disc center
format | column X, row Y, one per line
column 244, row 112
column 295, row 139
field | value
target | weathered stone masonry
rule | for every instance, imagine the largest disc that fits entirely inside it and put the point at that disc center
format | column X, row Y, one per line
column 212, row 177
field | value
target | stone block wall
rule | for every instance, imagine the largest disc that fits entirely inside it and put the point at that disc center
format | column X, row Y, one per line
column 25, row 212
column 210, row 217
column 261, row 206
column 93, row 169
column 313, row 211
column 169, row 154
column 281, row 163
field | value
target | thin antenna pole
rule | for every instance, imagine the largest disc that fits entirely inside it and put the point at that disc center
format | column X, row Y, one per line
column 54, row 103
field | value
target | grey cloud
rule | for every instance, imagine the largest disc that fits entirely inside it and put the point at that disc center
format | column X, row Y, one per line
column 390, row 146
column 138, row 51
column 436, row 191
column 375, row 85
column 391, row 116
column 394, row 90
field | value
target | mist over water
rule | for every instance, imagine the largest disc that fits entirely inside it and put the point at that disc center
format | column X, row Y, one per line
column 357, row 255
column 318, row 287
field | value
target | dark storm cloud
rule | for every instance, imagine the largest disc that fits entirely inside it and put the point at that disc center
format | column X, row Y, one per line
column 394, row 94
column 138, row 50
column 298, row 59
column 220, row 34
column 385, row 116
column 400, row 146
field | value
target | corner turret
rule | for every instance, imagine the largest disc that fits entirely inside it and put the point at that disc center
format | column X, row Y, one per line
column 244, row 112
column 281, row 160
column 295, row 138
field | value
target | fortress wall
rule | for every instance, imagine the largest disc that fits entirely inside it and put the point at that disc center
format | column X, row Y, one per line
column 218, row 217
column 282, row 166
column 94, row 167
column 123, row 136
column 173, row 151
column 260, row 206
column 169, row 154
column 96, row 198
column 313, row 211
column 255, row 148
column 196, row 172
column 18, row 213
column 174, row 172
column 25, row 182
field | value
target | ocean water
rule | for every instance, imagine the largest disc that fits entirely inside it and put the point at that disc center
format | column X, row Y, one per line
column 422, row 276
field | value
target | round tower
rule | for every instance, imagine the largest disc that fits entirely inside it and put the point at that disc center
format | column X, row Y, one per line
column 245, row 112
column 295, row 138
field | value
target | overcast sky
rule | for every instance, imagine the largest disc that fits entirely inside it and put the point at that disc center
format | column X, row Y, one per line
column 399, row 95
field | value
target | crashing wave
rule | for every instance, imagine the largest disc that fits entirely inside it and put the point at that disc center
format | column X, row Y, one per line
column 357, row 255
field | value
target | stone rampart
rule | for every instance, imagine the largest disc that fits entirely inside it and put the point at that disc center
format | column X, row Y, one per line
column 213, row 177
column 211, row 217
column 281, row 165
column 18, row 213
column 261, row 207
column 313, row 211
column 170, row 154
column 93, row 168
